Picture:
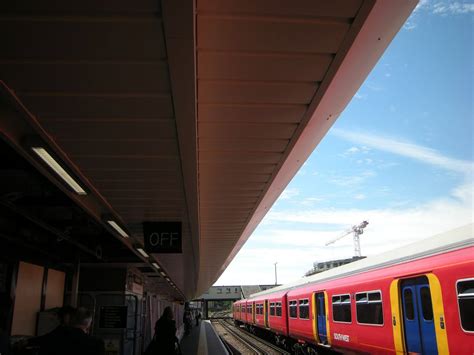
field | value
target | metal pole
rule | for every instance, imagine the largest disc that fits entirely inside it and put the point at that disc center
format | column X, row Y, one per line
column 75, row 283
column 276, row 280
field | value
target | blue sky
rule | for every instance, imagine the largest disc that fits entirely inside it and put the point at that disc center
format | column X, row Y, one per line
column 399, row 156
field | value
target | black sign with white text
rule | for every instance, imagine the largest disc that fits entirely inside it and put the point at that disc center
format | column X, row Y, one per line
column 113, row 317
column 162, row 237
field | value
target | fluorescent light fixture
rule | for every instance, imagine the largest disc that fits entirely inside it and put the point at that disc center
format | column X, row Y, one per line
column 58, row 169
column 156, row 265
column 142, row 252
column 162, row 273
column 119, row 229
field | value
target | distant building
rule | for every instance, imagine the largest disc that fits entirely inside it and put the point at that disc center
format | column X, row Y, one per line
column 331, row 264
column 232, row 292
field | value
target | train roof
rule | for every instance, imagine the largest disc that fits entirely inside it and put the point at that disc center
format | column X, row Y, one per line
column 452, row 240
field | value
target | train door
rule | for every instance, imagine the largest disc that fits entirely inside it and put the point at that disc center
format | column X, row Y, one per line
column 420, row 336
column 253, row 312
column 266, row 313
column 321, row 318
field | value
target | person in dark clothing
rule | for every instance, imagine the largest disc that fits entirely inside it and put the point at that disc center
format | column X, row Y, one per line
column 5, row 308
column 187, row 321
column 165, row 334
column 198, row 317
column 73, row 339
column 64, row 315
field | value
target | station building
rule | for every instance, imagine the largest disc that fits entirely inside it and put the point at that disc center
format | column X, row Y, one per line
column 142, row 142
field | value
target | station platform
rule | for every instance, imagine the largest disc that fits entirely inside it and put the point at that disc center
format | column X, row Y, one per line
column 203, row 340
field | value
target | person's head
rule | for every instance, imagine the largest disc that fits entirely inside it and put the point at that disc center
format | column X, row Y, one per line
column 168, row 313
column 65, row 314
column 81, row 319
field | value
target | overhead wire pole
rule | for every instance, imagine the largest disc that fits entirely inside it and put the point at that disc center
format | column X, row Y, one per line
column 357, row 230
column 276, row 281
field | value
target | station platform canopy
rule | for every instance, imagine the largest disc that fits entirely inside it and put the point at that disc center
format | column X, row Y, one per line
column 196, row 112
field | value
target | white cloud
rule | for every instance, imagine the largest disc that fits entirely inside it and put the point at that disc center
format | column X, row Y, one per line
column 315, row 199
column 352, row 180
column 443, row 8
column 421, row 5
column 355, row 150
column 374, row 87
column 311, row 201
column 352, row 150
column 360, row 96
column 453, row 8
column 407, row 149
column 360, row 197
column 409, row 25
column 295, row 250
column 289, row 193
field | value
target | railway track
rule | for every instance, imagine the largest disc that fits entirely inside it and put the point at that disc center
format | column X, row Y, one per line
column 242, row 342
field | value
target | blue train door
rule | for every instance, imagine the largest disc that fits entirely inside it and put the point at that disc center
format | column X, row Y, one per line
column 420, row 336
column 321, row 317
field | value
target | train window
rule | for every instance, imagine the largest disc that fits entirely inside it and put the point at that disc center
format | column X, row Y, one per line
column 272, row 309
column 426, row 306
column 369, row 307
column 465, row 290
column 341, row 308
column 292, row 309
column 304, row 309
column 409, row 310
column 278, row 309
column 375, row 296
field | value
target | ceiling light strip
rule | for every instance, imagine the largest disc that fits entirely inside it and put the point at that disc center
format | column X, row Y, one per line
column 117, row 228
column 142, row 252
column 58, row 169
column 156, row 266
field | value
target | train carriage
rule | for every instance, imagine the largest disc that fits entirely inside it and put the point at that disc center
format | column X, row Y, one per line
column 277, row 311
column 237, row 310
column 260, row 305
column 416, row 299
column 248, row 312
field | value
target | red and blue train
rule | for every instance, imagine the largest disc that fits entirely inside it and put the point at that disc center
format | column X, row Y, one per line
column 415, row 300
